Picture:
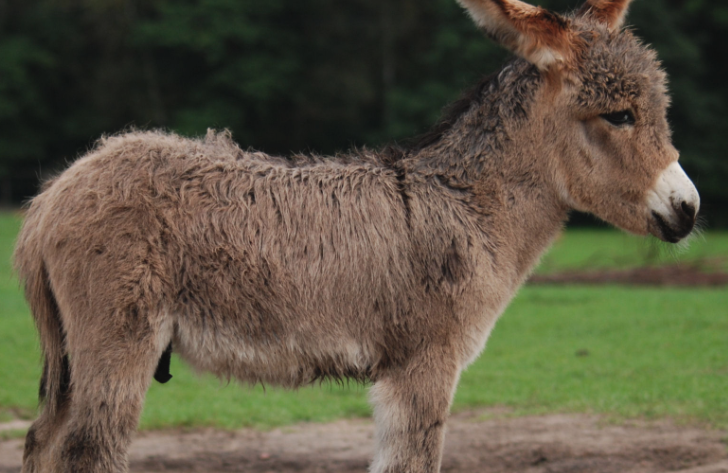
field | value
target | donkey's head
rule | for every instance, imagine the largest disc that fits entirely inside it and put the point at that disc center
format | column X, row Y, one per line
column 602, row 111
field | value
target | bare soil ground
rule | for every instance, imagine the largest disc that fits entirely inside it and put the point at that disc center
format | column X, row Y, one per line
column 544, row 444
column 673, row 275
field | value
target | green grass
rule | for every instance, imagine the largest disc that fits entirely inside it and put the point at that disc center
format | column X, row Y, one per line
column 619, row 351
column 613, row 350
column 19, row 352
column 601, row 249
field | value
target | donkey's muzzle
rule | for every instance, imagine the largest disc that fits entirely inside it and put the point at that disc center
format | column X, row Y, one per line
column 675, row 232
column 673, row 204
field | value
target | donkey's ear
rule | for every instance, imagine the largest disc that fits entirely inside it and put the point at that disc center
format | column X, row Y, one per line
column 609, row 12
column 535, row 34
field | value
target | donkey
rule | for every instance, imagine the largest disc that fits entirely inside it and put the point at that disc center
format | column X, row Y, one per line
column 388, row 266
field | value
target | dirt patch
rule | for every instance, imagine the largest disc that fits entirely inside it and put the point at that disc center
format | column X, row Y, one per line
column 14, row 425
column 674, row 275
column 544, row 444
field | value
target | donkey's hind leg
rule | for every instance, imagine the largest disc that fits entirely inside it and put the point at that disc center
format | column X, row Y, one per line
column 411, row 405
column 110, row 375
column 52, row 416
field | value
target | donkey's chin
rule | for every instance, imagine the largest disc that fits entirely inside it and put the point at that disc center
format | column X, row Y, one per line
column 671, row 232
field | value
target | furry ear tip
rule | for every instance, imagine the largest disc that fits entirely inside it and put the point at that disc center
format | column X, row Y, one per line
column 534, row 33
column 611, row 13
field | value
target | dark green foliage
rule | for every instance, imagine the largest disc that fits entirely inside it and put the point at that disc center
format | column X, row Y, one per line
column 307, row 75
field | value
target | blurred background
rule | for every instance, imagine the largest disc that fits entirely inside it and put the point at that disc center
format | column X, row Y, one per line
column 610, row 324
column 299, row 75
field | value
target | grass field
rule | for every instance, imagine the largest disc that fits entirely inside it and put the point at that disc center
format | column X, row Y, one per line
column 606, row 248
column 624, row 352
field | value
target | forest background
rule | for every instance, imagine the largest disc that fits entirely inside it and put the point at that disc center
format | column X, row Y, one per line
column 290, row 76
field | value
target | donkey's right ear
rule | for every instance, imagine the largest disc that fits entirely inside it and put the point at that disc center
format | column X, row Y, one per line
column 609, row 12
column 535, row 34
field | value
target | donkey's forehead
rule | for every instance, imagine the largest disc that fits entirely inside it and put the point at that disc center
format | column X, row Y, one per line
column 616, row 66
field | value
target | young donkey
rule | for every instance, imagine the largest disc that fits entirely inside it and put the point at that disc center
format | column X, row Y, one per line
column 391, row 266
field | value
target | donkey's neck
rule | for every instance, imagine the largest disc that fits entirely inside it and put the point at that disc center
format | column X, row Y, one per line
column 483, row 130
column 493, row 151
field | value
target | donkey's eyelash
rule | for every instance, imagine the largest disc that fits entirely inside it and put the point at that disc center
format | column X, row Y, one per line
column 622, row 118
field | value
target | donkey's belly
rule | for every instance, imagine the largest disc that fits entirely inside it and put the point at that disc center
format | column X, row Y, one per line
column 285, row 359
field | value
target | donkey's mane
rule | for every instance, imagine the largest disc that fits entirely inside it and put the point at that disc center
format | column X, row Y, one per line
column 451, row 114
column 391, row 153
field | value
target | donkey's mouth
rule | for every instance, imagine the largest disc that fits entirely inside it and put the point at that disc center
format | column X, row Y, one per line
column 674, row 203
column 671, row 233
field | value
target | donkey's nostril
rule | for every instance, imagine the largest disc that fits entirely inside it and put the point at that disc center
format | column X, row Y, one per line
column 688, row 209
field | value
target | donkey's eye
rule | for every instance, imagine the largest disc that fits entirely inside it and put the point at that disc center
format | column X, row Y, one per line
column 625, row 117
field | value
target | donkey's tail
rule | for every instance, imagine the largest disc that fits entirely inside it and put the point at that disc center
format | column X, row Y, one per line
column 29, row 265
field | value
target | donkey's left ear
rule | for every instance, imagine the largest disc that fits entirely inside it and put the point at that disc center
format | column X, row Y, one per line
column 608, row 12
column 535, row 34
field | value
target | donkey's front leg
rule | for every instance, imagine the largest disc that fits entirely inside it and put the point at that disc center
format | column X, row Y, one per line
column 411, row 405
